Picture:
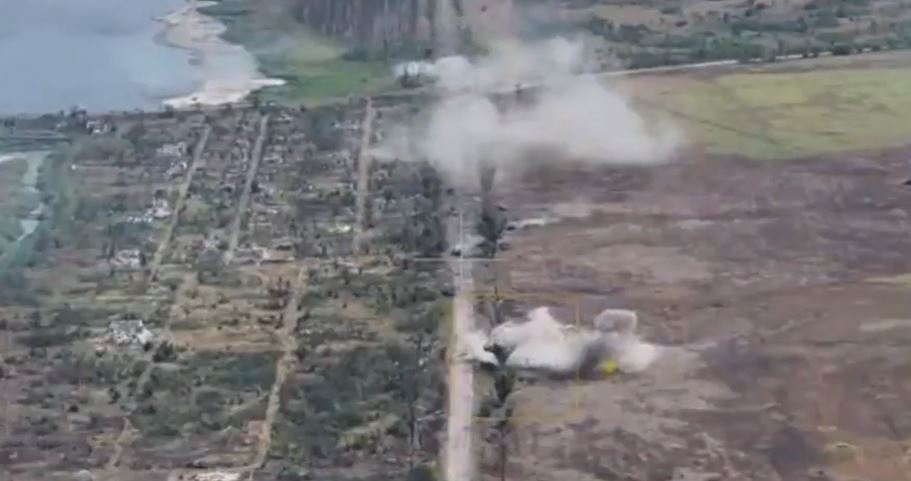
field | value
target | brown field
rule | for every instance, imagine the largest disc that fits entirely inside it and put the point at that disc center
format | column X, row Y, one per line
column 780, row 291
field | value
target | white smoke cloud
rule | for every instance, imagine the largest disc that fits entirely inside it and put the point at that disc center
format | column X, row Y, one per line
column 571, row 117
column 545, row 344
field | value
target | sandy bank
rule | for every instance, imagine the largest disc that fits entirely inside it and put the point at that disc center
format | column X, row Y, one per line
column 226, row 72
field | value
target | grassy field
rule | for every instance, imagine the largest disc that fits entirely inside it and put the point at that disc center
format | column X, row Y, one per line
column 315, row 82
column 315, row 67
column 14, row 201
column 777, row 115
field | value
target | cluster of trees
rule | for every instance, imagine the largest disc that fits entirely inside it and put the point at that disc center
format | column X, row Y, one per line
column 359, row 389
column 496, row 406
column 755, row 35
column 423, row 230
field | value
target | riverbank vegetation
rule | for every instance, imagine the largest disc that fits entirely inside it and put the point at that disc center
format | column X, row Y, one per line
column 316, row 68
column 329, row 50
column 13, row 200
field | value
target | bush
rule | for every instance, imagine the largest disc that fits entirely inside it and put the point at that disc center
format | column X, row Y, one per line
column 102, row 148
column 421, row 473
column 244, row 370
column 47, row 338
column 165, row 353
column 842, row 49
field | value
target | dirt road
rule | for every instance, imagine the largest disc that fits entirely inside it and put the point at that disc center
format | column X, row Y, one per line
column 126, row 437
column 363, row 175
column 282, row 368
column 457, row 456
column 255, row 155
column 181, row 199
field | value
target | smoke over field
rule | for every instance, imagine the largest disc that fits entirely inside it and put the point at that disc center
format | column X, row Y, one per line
column 570, row 117
column 544, row 343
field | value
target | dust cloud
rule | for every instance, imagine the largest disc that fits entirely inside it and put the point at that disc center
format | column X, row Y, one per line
column 567, row 117
column 543, row 343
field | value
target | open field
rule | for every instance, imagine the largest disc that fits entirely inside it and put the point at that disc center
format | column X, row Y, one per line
column 314, row 66
column 787, row 110
column 777, row 289
column 316, row 82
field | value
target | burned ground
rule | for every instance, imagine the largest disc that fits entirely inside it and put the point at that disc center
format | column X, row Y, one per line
column 778, row 290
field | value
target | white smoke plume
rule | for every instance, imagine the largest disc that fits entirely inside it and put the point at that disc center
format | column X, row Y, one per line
column 543, row 343
column 570, row 117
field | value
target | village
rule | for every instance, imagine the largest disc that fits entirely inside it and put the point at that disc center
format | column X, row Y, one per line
column 217, row 294
column 246, row 292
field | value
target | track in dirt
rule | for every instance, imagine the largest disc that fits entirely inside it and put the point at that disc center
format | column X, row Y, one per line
column 363, row 176
column 458, row 459
column 255, row 156
column 181, row 200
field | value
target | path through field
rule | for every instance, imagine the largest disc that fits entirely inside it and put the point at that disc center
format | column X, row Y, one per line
column 458, row 459
column 178, row 205
column 282, row 367
column 363, row 175
column 255, row 155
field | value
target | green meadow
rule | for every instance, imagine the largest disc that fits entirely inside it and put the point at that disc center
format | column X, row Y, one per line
column 787, row 115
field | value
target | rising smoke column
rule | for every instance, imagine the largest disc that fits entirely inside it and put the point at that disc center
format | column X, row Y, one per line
column 572, row 117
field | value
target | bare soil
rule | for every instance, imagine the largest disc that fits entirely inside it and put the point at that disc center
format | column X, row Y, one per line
column 779, row 291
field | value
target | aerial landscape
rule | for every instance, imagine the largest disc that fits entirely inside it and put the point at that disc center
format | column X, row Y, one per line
column 455, row 240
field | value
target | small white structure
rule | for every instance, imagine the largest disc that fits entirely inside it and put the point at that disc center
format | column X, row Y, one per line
column 129, row 258
column 83, row 475
column 160, row 209
column 140, row 219
column 176, row 169
column 172, row 150
column 126, row 332
column 340, row 228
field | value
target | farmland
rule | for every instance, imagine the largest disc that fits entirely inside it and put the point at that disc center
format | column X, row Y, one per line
column 787, row 110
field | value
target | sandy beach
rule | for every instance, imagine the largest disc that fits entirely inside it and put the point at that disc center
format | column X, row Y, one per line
column 226, row 72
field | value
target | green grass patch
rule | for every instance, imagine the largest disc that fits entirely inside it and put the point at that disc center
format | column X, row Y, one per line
column 322, row 80
column 787, row 115
column 313, row 65
column 237, row 371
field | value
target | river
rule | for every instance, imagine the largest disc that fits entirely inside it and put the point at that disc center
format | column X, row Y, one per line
column 107, row 55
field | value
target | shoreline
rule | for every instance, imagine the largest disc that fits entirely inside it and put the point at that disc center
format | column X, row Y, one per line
column 227, row 73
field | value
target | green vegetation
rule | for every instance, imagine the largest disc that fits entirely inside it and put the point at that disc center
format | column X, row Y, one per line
column 14, row 201
column 236, row 371
column 315, row 82
column 648, row 34
column 225, row 389
column 786, row 115
column 317, row 69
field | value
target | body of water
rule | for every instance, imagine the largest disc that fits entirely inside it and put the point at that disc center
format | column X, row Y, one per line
column 97, row 54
